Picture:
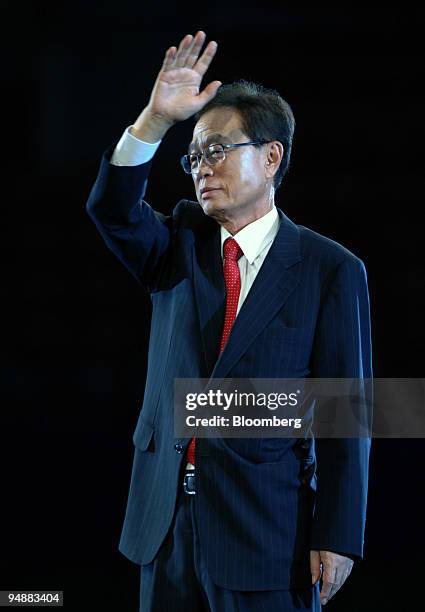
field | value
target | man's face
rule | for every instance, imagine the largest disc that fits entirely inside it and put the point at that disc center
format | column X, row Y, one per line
column 238, row 185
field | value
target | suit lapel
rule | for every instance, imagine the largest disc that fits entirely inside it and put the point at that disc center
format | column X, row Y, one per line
column 209, row 290
column 276, row 280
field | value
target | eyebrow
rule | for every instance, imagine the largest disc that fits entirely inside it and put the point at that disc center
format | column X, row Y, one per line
column 212, row 139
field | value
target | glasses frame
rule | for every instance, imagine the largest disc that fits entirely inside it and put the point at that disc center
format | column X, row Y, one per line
column 201, row 156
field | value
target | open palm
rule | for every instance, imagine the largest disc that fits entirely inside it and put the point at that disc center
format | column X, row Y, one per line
column 176, row 94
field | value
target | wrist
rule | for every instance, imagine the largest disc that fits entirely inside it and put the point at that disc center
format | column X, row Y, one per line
column 150, row 127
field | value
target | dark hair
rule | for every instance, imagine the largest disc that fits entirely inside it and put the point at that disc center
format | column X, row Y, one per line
column 264, row 113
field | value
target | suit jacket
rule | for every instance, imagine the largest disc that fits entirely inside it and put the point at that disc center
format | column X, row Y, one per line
column 261, row 504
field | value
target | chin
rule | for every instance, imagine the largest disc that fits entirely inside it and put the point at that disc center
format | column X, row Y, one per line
column 209, row 205
column 213, row 209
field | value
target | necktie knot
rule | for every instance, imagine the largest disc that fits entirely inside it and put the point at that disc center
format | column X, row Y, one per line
column 231, row 250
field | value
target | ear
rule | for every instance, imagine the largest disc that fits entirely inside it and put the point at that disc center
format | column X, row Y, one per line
column 274, row 157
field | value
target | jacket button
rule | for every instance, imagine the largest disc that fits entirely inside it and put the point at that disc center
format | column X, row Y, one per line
column 178, row 448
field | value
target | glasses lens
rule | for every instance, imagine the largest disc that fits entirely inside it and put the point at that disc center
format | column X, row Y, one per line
column 193, row 161
column 185, row 162
column 214, row 153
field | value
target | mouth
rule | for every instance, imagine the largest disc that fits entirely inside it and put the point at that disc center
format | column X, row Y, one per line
column 206, row 193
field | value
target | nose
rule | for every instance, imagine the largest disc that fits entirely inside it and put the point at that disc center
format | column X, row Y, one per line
column 204, row 169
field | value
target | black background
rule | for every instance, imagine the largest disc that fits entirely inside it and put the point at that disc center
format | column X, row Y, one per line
column 75, row 323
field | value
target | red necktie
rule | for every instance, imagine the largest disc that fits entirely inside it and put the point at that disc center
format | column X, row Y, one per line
column 232, row 252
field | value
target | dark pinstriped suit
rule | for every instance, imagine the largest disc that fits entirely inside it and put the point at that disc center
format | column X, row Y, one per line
column 307, row 314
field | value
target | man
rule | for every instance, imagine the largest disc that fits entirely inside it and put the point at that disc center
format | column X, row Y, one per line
column 256, row 523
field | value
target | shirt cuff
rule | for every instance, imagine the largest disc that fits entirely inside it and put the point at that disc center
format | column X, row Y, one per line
column 131, row 151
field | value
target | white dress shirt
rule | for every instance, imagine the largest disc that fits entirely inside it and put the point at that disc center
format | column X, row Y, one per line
column 254, row 239
column 131, row 151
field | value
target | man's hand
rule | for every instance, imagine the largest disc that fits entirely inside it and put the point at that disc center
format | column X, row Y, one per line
column 336, row 569
column 176, row 94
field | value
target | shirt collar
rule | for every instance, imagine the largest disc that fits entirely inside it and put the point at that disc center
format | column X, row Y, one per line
column 255, row 236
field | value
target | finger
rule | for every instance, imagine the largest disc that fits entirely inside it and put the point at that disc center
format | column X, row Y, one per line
column 315, row 575
column 195, row 49
column 205, row 60
column 338, row 581
column 329, row 580
column 335, row 586
column 183, row 51
column 314, row 566
column 325, row 591
column 209, row 92
column 169, row 58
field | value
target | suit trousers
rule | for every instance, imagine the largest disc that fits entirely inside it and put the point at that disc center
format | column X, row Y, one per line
column 177, row 579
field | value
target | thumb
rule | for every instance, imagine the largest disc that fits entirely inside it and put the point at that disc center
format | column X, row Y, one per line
column 314, row 566
column 209, row 92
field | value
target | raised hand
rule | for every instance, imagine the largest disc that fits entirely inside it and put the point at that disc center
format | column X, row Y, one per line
column 176, row 95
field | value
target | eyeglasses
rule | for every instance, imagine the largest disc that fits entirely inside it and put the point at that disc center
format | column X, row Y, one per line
column 212, row 155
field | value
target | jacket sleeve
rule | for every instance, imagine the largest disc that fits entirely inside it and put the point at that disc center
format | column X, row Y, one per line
column 342, row 349
column 139, row 236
